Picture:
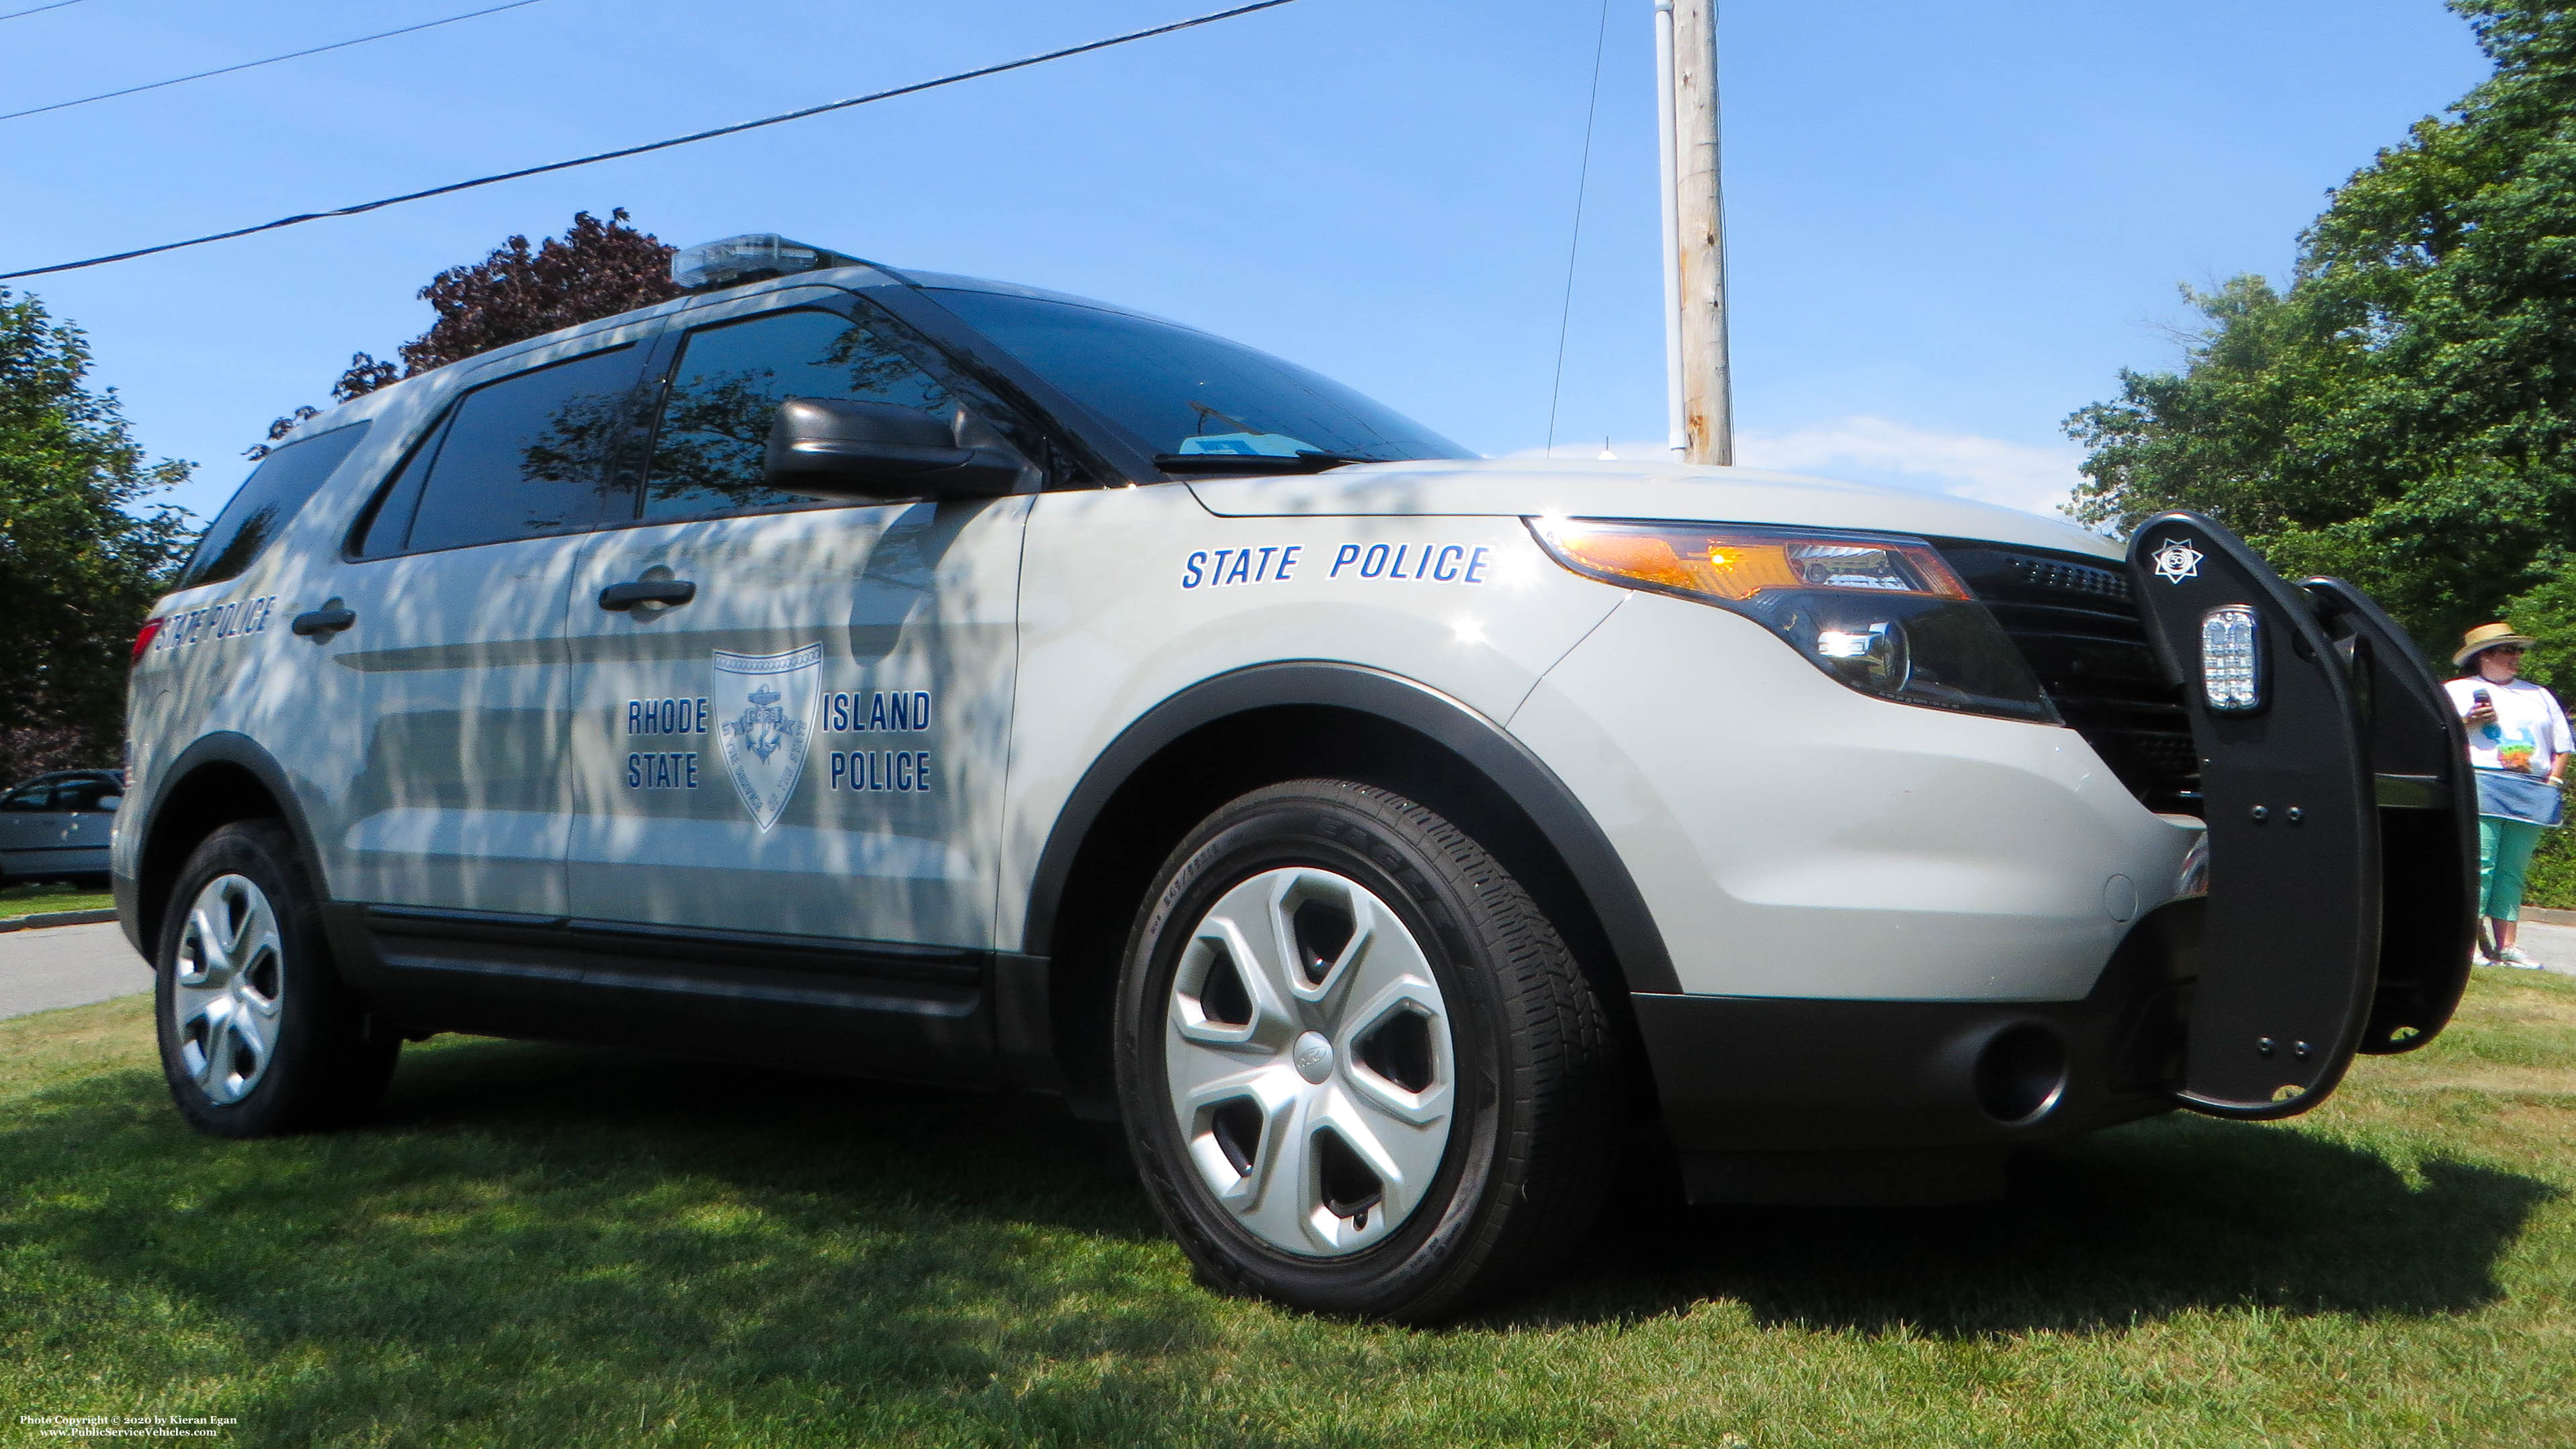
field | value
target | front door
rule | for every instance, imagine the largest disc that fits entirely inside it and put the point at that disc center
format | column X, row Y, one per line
column 53, row 827
column 788, row 786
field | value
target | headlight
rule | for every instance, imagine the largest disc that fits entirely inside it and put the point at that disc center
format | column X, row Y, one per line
column 1883, row 614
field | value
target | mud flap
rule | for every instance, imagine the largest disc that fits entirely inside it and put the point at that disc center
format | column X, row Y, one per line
column 2290, row 959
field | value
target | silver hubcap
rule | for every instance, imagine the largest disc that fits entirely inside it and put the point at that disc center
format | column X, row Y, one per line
column 226, row 984
column 1307, row 1049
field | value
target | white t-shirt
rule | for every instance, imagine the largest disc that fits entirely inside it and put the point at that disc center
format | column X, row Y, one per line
column 2529, row 725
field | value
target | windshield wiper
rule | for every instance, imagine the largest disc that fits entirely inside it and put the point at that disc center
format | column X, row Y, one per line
column 1302, row 462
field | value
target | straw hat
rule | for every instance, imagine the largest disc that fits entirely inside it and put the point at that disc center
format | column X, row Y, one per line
column 2485, row 637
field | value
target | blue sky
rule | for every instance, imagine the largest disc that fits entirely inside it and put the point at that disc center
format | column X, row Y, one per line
column 1951, row 224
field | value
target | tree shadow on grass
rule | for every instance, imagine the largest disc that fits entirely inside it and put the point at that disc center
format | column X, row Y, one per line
column 533, row 1243
column 993, row 1155
column 2139, row 1223
column 531, row 1240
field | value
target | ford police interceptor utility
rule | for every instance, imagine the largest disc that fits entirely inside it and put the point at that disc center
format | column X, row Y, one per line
column 911, row 676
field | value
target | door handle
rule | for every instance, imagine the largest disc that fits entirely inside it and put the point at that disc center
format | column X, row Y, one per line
column 316, row 623
column 673, row 592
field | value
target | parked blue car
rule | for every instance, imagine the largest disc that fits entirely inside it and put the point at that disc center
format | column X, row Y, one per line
column 55, row 827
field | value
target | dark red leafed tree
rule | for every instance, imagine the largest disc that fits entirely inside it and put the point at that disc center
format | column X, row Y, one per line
column 595, row 269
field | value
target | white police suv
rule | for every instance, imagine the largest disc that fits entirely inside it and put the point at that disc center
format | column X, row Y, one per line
column 912, row 676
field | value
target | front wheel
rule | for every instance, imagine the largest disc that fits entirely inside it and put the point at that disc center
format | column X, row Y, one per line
column 1360, row 1070
column 258, row 1035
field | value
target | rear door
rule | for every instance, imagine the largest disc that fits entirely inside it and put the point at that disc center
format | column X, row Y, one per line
column 786, row 768
column 449, row 645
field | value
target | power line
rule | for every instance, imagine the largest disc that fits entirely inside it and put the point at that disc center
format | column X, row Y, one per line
column 39, row 9
column 255, row 64
column 740, row 126
column 1574, row 247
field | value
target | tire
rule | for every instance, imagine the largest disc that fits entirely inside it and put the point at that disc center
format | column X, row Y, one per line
column 1359, row 1069
column 258, row 1035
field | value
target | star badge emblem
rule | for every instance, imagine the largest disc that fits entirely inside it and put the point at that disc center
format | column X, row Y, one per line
column 2177, row 561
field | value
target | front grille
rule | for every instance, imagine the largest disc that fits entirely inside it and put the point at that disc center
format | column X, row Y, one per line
column 2077, row 625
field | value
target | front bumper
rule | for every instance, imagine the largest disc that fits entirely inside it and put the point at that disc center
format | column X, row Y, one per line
column 2340, row 871
column 1811, row 1100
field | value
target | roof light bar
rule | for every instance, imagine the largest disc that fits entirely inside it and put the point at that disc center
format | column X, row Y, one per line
column 752, row 257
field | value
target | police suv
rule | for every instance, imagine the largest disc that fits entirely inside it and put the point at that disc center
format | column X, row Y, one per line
column 912, row 676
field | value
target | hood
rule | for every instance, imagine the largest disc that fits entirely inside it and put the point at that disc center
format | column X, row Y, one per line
column 1531, row 486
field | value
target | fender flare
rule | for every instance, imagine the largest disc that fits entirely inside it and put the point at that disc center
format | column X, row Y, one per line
column 224, row 747
column 1485, row 745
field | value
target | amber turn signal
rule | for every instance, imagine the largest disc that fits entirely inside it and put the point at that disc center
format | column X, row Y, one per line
column 1739, row 564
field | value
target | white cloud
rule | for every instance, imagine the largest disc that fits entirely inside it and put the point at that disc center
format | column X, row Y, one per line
column 1990, row 470
column 1868, row 449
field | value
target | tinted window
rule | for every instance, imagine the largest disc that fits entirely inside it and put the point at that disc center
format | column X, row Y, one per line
column 381, row 531
column 523, row 456
column 33, row 797
column 269, row 499
column 727, row 386
column 1180, row 391
column 83, row 794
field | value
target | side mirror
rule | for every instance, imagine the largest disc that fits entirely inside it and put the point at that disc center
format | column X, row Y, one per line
column 108, row 803
column 845, row 448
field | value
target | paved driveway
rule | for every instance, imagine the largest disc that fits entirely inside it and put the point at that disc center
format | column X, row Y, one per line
column 68, row 966
column 2553, row 946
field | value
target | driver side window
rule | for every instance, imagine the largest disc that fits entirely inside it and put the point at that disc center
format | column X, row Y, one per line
column 727, row 385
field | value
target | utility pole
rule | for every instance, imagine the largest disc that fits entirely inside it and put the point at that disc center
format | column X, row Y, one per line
column 1700, row 393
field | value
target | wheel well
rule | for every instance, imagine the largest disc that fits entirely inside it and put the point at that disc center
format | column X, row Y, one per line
column 210, row 797
column 1184, row 782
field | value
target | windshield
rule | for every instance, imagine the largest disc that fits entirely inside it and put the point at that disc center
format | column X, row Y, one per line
column 1185, row 394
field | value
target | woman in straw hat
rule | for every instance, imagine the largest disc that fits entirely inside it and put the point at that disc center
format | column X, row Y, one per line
column 2519, row 744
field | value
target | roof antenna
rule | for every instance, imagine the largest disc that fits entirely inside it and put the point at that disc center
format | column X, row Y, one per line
column 1574, row 244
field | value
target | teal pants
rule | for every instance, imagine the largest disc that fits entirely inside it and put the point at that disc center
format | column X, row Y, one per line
column 2504, row 852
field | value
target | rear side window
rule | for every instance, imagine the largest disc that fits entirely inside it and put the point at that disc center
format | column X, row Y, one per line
column 727, row 387
column 524, row 456
column 268, row 500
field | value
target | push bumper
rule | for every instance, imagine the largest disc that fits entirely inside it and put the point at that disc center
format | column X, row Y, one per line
column 2342, row 825
column 2338, row 919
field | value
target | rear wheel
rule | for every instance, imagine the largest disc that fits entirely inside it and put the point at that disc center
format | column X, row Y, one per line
column 1360, row 1071
column 258, row 1035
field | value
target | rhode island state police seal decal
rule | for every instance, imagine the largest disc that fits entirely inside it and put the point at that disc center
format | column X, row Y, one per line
column 767, row 704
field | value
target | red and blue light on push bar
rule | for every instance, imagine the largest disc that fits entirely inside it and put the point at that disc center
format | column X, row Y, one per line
column 2231, row 659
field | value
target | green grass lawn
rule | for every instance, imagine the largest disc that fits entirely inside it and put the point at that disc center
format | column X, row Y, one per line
column 547, row 1246
column 28, row 900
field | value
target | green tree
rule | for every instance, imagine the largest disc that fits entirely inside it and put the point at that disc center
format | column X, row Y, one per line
column 2404, row 414
column 82, row 555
